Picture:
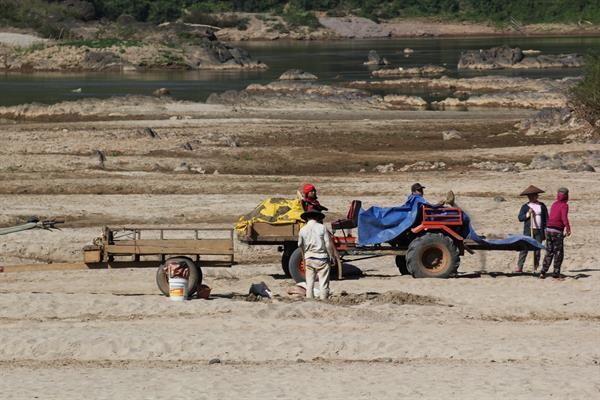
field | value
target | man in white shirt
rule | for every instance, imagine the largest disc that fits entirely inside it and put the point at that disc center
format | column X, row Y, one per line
column 534, row 216
column 317, row 252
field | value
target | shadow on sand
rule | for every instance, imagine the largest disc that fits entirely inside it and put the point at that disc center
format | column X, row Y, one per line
column 479, row 274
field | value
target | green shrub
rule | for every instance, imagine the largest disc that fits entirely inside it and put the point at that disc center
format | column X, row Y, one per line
column 101, row 43
column 279, row 27
column 196, row 15
column 585, row 97
column 51, row 17
column 296, row 16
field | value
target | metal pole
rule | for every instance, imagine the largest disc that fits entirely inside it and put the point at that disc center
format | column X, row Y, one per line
column 531, row 220
column 18, row 228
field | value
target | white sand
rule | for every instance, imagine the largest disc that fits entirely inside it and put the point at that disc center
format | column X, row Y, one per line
column 108, row 334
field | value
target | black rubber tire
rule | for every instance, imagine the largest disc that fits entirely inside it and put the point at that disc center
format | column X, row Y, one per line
column 294, row 266
column 298, row 274
column 285, row 261
column 194, row 281
column 285, row 258
column 401, row 264
column 424, row 253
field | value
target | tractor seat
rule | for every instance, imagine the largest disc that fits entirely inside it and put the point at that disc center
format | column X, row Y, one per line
column 351, row 220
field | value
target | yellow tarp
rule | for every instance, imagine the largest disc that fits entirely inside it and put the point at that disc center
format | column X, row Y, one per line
column 275, row 211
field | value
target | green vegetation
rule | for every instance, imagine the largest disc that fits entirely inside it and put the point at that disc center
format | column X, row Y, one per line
column 170, row 59
column 198, row 14
column 294, row 15
column 586, row 95
column 47, row 18
column 101, row 43
column 53, row 18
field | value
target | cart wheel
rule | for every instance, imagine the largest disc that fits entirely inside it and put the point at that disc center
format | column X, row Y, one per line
column 296, row 266
column 194, row 280
column 432, row 255
column 401, row 264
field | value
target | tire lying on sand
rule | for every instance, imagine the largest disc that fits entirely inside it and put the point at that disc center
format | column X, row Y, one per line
column 401, row 264
column 194, row 280
column 432, row 255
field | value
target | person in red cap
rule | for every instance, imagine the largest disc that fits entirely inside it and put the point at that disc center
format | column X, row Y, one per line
column 309, row 198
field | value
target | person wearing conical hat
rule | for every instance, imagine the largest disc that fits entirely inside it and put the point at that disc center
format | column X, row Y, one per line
column 534, row 215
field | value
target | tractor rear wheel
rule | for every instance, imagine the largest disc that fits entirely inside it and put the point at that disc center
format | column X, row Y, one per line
column 298, row 271
column 288, row 249
column 401, row 264
column 296, row 266
column 194, row 280
column 433, row 255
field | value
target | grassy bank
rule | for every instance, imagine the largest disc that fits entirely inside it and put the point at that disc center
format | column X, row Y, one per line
column 53, row 19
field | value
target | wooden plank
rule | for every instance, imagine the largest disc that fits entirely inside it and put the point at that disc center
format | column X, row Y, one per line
column 44, row 267
column 114, row 264
column 172, row 246
column 264, row 233
column 262, row 229
column 92, row 256
column 177, row 242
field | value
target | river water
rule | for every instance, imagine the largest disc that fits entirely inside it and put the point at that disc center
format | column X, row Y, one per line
column 332, row 61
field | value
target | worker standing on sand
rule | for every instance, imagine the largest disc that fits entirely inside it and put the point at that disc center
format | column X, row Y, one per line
column 309, row 198
column 534, row 215
column 558, row 222
column 317, row 252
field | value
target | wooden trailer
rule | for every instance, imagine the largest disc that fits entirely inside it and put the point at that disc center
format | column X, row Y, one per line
column 285, row 236
column 194, row 248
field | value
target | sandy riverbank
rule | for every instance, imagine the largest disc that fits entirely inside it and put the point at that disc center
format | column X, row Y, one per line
column 109, row 333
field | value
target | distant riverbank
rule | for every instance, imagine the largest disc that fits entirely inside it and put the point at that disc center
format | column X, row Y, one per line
column 267, row 27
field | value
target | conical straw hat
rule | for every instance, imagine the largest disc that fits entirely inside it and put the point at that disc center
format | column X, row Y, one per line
column 531, row 190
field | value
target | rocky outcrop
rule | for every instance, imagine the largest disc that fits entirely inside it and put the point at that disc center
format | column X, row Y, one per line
column 507, row 57
column 296, row 94
column 375, row 59
column 504, row 100
column 297, row 75
column 486, row 91
column 127, row 57
column 499, row 166
column 451, row 134
column 482, row 84
column 424, row 166
column 577, row 161
column 125, row 107
column 401, row 102
column 400, row 72
column 552, row 120
column 161, row 92
column 355, row 27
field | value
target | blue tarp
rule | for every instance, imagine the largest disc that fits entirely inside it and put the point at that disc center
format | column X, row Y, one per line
column 380, row 225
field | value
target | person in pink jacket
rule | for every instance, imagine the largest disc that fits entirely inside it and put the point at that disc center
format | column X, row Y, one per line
column 556, row 229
